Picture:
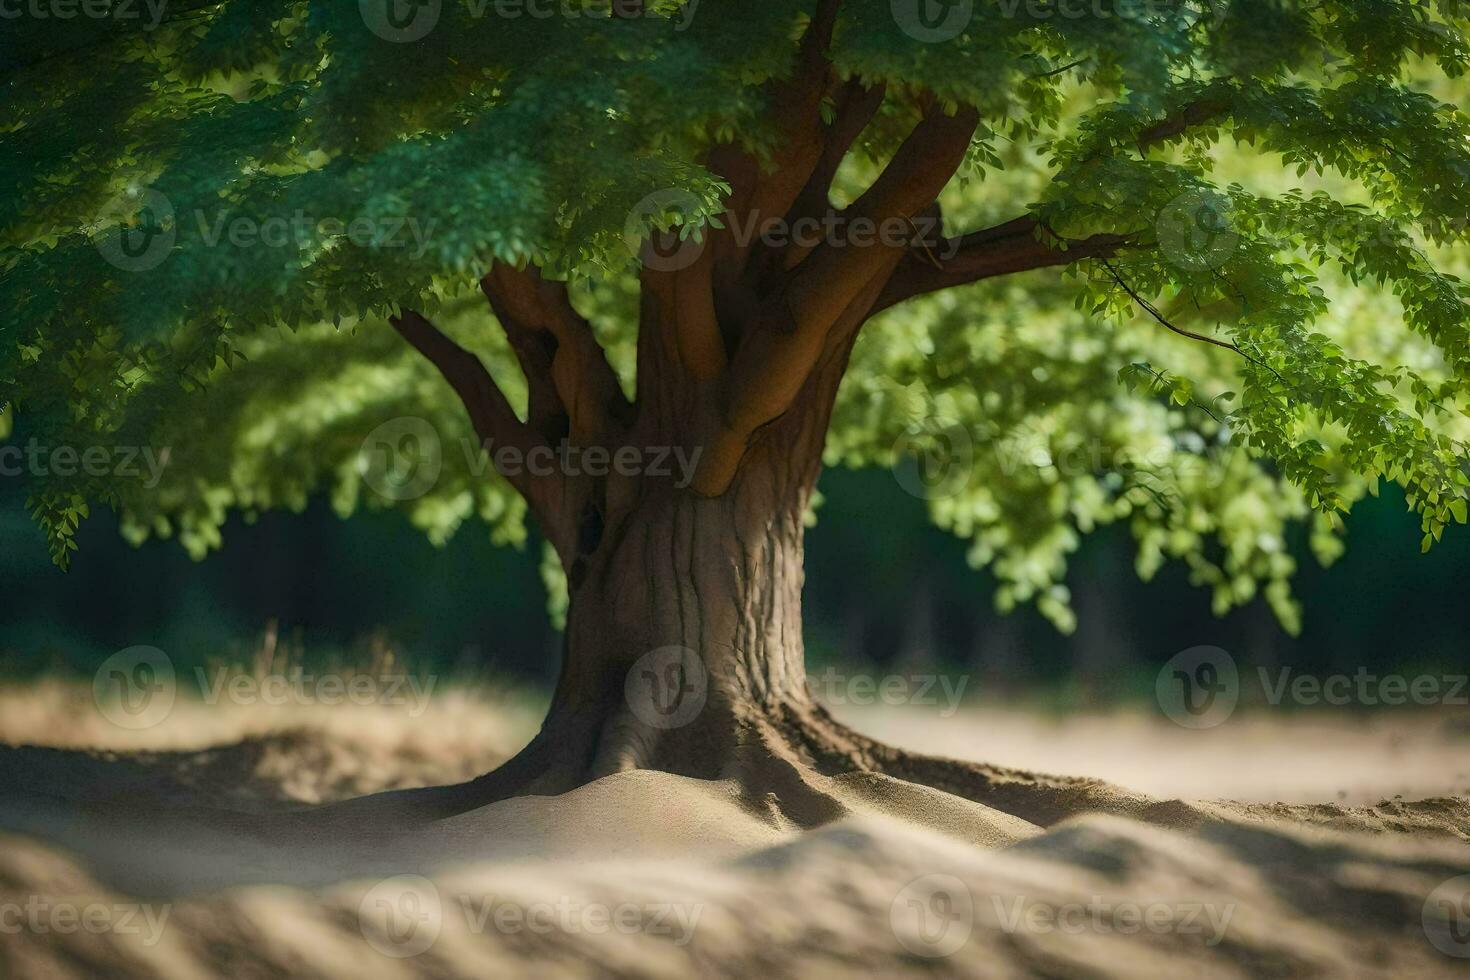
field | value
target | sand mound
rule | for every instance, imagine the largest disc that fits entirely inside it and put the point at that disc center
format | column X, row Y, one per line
column 646, row 815
column 870, row 895
column 646, row 874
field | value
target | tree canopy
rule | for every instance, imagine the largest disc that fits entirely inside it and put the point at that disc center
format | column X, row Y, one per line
column 1198, row 269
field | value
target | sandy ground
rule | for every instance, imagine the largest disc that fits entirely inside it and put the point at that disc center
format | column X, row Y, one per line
column 1307, row 757
column 650, row 875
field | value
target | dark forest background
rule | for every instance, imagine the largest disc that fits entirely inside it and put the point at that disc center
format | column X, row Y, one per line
column 884, row 588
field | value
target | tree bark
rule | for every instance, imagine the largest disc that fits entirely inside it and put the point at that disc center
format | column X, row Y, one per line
column 683, row 645
column 683, row 653
column 687, row 624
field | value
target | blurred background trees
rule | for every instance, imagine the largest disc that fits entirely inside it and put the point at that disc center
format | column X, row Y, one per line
column 885, row 588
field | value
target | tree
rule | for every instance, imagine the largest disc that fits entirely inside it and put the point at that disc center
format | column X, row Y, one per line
column 999, row 239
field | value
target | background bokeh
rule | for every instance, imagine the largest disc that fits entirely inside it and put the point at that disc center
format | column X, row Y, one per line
column 884, row 588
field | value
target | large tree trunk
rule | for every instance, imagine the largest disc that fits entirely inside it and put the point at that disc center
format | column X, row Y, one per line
column 683, row 644
column 684, row 654
column 683, row 648
column 685, row 629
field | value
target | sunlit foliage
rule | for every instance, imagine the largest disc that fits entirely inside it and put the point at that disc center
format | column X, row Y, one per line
column 1293, row 180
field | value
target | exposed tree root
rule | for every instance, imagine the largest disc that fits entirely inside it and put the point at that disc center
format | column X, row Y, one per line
column 784, row 761
column 794, row 765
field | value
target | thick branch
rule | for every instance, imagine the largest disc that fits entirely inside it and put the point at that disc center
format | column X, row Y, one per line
column 1013, row 246
column 855, row 110
column 797, row 112
column 688, row 297
column 494, row 420
column 837, row 271
column 693, row 317
column 998, row 251
column 837, row 286
column 534, row 351
column 775, row 359
column 760, row 194
column 555, row 344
